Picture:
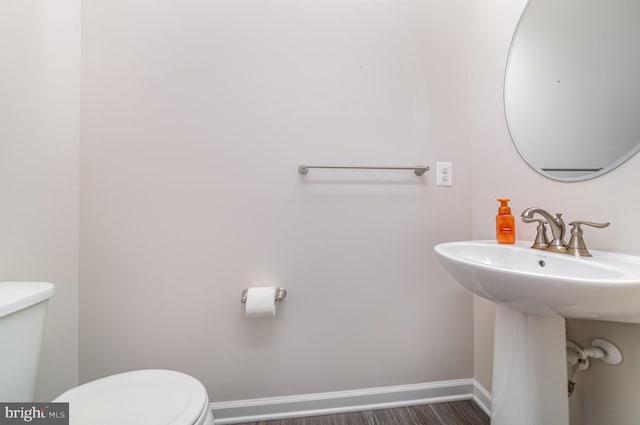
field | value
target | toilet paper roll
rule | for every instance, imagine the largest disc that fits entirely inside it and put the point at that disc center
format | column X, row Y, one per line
column 261, row 302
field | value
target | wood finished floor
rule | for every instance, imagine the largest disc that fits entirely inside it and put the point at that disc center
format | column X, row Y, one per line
column 455, row 413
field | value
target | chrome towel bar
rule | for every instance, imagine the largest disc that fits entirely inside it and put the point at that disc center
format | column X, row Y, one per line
column 418, row 169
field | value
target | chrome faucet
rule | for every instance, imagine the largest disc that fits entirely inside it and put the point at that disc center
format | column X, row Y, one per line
column 556, row 224
column 576, row 245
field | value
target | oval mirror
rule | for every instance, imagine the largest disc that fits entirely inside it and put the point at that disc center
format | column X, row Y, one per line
column 572, row 86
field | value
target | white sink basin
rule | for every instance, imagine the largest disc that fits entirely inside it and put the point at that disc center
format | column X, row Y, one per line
column 604, row 287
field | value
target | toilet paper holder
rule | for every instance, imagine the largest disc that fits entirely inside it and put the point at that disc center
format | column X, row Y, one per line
column 280, row 294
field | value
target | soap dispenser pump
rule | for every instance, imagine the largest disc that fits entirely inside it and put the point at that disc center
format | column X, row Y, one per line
column 505, row 223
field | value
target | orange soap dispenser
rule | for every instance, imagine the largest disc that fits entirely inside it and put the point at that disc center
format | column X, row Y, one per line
column 505, row 224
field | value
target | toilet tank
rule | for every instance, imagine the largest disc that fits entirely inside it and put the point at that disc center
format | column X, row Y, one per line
column 23, row 309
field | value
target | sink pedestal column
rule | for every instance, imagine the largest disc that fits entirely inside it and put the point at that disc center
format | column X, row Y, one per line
column 529, row 369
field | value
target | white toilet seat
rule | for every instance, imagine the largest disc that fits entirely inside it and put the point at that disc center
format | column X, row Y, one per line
column 153, row 397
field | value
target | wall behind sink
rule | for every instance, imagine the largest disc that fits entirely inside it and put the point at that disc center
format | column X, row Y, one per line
column 499, row 171
column 39, row 143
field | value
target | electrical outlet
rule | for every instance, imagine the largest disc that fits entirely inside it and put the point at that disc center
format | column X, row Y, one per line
column 444, row 174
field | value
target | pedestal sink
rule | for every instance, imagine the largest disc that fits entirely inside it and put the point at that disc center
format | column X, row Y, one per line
column 535, row 290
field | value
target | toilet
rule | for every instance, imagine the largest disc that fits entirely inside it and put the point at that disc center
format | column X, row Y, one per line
column 154, row 397
column 140, row 397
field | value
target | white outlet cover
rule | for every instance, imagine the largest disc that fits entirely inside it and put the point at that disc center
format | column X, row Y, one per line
column 444, row 173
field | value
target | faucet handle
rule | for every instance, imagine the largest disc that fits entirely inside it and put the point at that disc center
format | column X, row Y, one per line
column 577, row 246
column 541, row 242
column 588, row 223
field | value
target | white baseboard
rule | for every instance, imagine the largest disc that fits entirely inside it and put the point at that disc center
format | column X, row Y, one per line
column 482, row 397
column 262, row 409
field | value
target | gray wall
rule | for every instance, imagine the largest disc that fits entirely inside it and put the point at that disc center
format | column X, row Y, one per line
column 192, row 129
column 39, row 142
column 195, row 117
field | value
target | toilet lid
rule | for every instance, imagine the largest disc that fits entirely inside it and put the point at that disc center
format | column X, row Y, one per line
column 154, row 397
